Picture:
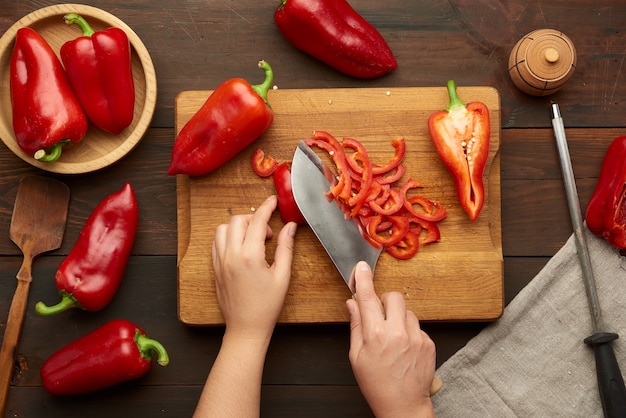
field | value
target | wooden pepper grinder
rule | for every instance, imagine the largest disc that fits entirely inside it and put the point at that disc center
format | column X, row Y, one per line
column 542, row 62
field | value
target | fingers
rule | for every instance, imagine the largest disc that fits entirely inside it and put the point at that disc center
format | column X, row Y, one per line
column 369, row 305
column 356, row 327
column 283, row 256
column 257, row 230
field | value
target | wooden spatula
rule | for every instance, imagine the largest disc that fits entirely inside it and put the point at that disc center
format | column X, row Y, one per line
column 37, row 226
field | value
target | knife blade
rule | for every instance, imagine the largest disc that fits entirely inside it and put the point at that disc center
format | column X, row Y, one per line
column 342, row 238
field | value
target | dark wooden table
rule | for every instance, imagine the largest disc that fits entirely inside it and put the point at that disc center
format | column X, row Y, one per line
column 196, row 45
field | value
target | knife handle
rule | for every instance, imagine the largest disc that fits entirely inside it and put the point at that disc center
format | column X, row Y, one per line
column 610, row 380
column 435, row 386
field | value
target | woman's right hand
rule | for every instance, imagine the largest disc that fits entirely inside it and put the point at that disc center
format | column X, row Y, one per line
column 393, row 360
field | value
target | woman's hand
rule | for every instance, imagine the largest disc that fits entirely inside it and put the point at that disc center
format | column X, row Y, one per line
column 392, row 358
column 250, row 291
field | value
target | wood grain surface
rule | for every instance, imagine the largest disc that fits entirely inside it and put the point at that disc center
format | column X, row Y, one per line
column 458, row 278
column 195, row 45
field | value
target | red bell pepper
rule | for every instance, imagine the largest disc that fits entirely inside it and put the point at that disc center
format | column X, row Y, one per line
column 99, row 67
column 46, row 113
column 334, row 33
column 233, row 117
column 606, row 211
column 461, row 134
column 91, row 274
column 287, row 206
column 114, row 353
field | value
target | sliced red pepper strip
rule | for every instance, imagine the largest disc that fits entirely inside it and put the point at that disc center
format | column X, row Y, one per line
column 391, row 205
column 357, row 199
column 327, row 142
column 398, row 229
column 461, row 135
column 406, row 248
column 262, row 164
column 400, row 145
column 400, row 170
column 432, row 230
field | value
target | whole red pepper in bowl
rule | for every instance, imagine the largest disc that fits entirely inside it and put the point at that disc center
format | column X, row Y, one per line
column 334, row 33
column 46, row 114
column 233, row 117
column 606, row 211
column 461, row 134
column 99, row 67
column 116, row 352
column 92, row 272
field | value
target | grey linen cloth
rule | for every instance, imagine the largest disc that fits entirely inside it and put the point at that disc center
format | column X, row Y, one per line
column 532, row 362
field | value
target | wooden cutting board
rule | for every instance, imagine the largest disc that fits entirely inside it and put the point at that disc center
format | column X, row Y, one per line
column 459, row 278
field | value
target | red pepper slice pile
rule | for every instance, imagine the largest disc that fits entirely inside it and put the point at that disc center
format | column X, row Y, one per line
column 46, row 113
column 90, row 275
column 99, row 67
column 368, row 192
column 461, row 135
column 606, row 211
column 388, row 214
column 114, row 353
column 233, row 117
column 334, row 33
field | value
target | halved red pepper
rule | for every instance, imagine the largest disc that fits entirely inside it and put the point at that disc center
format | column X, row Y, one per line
column 287, row 206
column 606, row 211
column 116, row 352
column 334, row 33
column 46, row 113
column 92, row 272
column 99, row 67
column 461, row 134
column 233, row 117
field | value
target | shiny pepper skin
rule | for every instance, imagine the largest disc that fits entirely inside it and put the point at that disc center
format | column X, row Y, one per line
column 233, row 117
column 99, row 68
column 92, row 272
column 46, row 113
column 114, row 353
column 334, row 33
column 606, row 211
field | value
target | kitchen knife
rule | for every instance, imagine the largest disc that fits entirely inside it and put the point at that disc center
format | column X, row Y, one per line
column 342, row 239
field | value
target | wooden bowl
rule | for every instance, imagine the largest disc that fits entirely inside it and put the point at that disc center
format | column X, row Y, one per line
column 542, row 62
column 98, row 149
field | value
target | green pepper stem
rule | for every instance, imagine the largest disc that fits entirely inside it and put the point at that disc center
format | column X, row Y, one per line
column 67, row 302
column 146, row 345
column 263, row 88
column 76, row 19
column 52, row 153
column 455, row 102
